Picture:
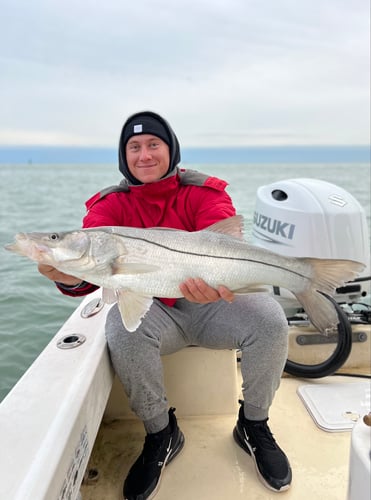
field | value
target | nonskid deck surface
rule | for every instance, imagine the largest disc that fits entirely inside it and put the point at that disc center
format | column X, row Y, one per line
column 212, row 466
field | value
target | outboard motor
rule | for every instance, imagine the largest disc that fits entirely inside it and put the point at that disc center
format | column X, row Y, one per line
column 314, row 218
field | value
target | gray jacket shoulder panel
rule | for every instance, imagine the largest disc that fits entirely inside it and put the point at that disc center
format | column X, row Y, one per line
column 192, row 177
column 186, row 178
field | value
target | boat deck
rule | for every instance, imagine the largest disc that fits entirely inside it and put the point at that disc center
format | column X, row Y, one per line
column 212, row 466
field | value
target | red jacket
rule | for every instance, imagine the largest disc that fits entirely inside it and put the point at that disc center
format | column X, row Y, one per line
column 187, row 200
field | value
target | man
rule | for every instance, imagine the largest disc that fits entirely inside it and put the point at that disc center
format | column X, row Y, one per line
column 156, row 192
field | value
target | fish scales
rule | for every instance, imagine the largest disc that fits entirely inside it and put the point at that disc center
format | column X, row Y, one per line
column 138, row 264
column 219, row 259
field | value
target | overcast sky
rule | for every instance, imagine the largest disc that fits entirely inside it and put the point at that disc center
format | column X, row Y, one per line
column 223, row 72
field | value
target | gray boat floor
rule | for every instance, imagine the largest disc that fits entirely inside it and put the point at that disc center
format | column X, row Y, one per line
column 212, row 466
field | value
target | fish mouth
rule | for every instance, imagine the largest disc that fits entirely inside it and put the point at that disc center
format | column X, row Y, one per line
column 29, row 245
column 11, row 247
column 16, row 246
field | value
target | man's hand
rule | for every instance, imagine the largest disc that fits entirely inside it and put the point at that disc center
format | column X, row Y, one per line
column 196, row 290
column 53, row 274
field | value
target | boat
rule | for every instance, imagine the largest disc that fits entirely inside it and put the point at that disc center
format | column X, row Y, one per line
column 66, row 430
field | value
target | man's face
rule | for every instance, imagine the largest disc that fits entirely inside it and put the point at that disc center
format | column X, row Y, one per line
column 147, row 157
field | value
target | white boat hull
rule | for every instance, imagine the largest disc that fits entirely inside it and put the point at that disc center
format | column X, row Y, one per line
column 49, row 421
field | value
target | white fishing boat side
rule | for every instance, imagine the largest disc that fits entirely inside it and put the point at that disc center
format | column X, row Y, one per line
column 49, row 421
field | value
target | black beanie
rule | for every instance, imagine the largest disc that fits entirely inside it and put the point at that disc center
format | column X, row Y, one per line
column 147, row 122
column 142, row 124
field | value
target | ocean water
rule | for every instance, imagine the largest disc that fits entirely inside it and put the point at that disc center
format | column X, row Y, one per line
column 50, row 197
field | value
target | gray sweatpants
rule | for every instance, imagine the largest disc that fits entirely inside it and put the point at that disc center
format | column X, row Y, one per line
column 253, row 323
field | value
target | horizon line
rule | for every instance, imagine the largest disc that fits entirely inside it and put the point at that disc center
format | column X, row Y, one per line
column 197, row 154
column 216, row 146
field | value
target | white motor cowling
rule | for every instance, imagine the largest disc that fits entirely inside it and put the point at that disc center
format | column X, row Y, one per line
column 311, row 218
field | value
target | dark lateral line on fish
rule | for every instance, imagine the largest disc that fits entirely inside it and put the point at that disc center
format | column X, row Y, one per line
column 213, row 256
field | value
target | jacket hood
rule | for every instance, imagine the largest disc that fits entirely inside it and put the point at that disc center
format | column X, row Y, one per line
column 147, row 122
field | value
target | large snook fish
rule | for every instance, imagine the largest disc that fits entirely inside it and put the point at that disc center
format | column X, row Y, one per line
column 139, row 264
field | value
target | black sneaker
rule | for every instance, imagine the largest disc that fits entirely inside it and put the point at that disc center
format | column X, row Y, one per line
column 143, row 479
column 271, row 463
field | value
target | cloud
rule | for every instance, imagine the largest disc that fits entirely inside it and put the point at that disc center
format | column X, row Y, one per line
column 222, row 72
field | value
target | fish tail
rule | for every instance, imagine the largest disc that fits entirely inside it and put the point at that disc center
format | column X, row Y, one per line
column 327, row 275
column 321, row 312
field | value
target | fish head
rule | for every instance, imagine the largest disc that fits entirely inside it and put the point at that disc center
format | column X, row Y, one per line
column 51, row 248
column 106, row 248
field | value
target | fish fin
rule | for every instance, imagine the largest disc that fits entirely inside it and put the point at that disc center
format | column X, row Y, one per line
column 233, row 226
column 133, row 308
column 119, row 266
column 109, row 296
column 322, row 314
column 251, row 289
column 328, row 274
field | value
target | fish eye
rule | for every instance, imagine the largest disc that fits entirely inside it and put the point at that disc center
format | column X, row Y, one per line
column 54, row 237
